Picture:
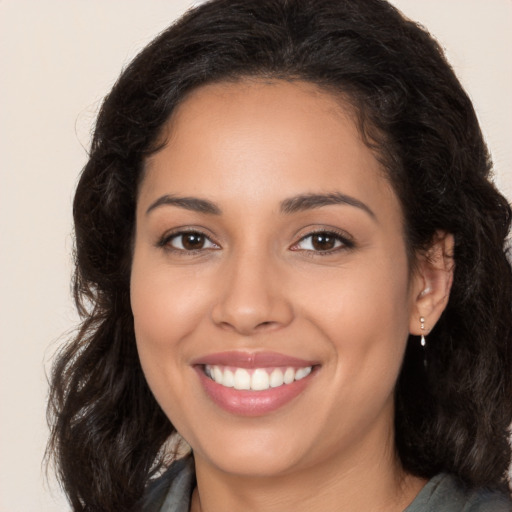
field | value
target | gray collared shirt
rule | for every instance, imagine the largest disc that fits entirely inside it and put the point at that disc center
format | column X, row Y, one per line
column 443, row 493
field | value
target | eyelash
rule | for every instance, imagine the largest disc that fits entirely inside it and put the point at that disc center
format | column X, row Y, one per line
column 343, row 241
column 165, row 242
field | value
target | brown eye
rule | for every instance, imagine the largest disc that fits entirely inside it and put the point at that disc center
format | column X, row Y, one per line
column 323, row 241
column 190, row 241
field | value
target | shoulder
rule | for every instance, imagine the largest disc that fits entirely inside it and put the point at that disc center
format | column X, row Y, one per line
column 445, row 493
column 171, row 491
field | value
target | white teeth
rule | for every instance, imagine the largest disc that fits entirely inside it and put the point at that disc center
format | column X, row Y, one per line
column 289, row 375
column 302, row 372
column 259, row 380
column 217, row 374
column 228, row 379
column 276, row 378
column 242, row 379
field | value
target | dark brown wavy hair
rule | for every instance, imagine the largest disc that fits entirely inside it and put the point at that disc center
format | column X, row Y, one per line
column 107, row 431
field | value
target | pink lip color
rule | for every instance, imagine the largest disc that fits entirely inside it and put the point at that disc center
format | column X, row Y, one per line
column 251, row 403
column 246, row 402
column 253, row 360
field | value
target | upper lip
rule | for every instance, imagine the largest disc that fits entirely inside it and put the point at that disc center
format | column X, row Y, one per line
column 240, row 359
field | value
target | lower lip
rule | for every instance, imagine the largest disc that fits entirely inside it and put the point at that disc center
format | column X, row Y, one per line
column 251, row 403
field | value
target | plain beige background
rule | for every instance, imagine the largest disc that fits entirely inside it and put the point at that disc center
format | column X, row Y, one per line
column 57, row 60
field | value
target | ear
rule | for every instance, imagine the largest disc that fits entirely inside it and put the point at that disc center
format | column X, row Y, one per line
column 432, row 283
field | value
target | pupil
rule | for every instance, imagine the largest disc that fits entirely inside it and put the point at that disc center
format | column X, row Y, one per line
column 193, row 241
column 323, row 242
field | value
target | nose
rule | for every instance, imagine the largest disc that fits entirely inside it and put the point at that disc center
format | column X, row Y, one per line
column 252, row 296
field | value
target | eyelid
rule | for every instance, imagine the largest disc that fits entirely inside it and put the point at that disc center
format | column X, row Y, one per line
column 346, row 241
column 168, row 236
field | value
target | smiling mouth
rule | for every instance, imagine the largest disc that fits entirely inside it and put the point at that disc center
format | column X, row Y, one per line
column 255, row 379
column 253, row 384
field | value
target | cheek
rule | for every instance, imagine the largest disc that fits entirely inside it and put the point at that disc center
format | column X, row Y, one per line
column 161, row 315
column 169, row 307
column 166, row 305
column 383, row 322
column 363, row 310
column 362, row 295
column 162, row 319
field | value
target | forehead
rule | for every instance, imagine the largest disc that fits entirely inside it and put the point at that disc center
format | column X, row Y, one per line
column 246, row 106
column 251, row 137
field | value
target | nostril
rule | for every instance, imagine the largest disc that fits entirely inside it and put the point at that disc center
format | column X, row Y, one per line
column 227, row 326
column 266, row 325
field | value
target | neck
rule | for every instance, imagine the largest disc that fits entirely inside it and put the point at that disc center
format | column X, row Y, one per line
column 372, row 481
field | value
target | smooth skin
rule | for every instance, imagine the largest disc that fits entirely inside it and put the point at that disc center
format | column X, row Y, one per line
column 229, row 255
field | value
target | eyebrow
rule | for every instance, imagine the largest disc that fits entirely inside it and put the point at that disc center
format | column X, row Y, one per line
column 188, row 203
column 295, row 204
column 310, row 201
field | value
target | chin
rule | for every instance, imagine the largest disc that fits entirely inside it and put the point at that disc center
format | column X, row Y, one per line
column 251, row 455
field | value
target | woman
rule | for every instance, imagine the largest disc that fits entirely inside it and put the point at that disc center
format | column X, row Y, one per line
column 288, row 252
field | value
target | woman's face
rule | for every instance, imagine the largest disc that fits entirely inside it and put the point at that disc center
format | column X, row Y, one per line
column 269, row 254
